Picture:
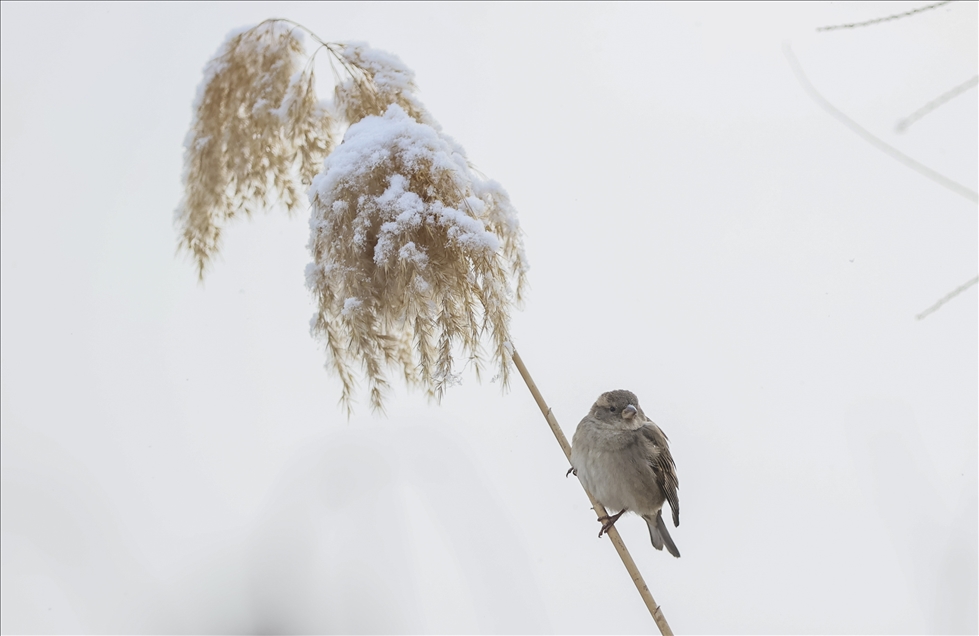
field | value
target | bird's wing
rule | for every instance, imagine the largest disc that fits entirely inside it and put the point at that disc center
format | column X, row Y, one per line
column 661, row 461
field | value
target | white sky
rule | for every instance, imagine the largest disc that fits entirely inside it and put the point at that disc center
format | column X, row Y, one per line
column 699, row 231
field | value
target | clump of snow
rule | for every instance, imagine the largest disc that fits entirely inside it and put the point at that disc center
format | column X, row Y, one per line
column 351, row 305
column 409, row 159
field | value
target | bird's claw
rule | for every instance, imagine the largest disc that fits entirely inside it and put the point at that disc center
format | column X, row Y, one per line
column 572, row 470
column 608, row 522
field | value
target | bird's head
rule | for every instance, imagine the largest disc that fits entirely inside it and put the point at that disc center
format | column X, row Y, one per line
column 620, row 408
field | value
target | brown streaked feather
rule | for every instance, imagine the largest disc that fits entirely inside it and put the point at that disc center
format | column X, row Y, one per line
column 661, row 461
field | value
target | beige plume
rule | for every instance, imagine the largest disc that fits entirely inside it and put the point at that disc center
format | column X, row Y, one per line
column 416, row 257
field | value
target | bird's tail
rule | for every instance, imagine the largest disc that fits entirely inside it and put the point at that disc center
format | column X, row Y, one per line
column 659, row 535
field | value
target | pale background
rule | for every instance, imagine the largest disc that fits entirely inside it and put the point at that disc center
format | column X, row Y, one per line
column 699, row 231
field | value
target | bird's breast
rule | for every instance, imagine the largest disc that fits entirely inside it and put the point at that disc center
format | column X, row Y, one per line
column 612, row 469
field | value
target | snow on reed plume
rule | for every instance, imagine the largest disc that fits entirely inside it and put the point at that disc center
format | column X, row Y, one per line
column 416, row 257
column 413, row 254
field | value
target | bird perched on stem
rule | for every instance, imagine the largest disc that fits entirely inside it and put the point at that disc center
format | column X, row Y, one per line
column 623, row 459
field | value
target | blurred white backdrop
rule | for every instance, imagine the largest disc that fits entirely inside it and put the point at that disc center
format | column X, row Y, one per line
column 700, row 232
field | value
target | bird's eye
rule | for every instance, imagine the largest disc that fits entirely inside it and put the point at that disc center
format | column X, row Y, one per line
column 612, row 409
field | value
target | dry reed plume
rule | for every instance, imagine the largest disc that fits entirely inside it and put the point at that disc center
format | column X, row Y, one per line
column 416, row 258
column 257, row 136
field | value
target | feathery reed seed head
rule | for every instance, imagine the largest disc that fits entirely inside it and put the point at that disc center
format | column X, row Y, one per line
column 375, row 81
column 415, row 256
column 257, row 136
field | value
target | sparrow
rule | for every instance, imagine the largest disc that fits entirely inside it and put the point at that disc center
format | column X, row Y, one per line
column 623, row 460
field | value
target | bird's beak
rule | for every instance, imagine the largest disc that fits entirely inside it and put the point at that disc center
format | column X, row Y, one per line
column 629, row 412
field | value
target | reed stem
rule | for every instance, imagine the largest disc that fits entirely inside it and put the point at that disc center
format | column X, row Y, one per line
column 613, row 534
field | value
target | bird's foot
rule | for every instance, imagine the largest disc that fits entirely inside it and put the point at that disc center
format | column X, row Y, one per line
column 609, row 522
column 572, row 470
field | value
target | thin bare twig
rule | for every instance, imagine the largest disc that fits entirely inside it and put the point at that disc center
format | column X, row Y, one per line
column 893, row 152
column 947, row 297
column 935, row 103
column 884, row 19
column 654, row 610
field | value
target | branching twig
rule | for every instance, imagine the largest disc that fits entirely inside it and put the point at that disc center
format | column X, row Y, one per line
column 654, row 610
column 935, row 103
column 884, row 19
column 947, row 297
column 894, row 153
